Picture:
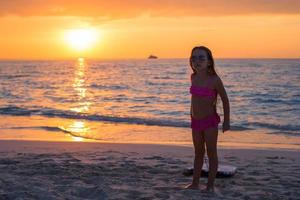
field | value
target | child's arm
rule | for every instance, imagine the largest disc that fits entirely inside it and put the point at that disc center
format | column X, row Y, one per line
column 222, row 92
column 191, row 111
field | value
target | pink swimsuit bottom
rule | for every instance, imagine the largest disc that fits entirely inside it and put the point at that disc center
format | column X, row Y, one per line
column 209, row 121
column 205, row 123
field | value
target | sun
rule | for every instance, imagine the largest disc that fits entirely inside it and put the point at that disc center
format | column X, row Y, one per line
column 81, row 39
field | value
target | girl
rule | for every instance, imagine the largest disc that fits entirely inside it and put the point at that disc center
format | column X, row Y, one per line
column 206, row 85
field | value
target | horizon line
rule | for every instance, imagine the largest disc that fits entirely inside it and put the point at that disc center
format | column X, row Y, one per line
column 100, row 59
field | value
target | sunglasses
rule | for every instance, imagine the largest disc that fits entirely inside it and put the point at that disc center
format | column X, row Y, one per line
column 200, row 58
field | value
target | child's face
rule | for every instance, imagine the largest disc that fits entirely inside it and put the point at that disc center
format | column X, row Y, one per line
column 199, row 60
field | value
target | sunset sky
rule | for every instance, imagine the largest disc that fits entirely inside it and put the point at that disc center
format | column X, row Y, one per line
column 98, row 29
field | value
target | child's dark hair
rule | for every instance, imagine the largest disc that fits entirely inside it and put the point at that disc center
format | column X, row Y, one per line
column 211, row 67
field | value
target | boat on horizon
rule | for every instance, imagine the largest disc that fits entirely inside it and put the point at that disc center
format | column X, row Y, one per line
column 152, row 57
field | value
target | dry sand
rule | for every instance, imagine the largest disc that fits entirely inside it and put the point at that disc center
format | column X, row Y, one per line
column 78, row 170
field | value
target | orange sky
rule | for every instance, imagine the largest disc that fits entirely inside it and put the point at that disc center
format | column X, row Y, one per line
column 35, row 29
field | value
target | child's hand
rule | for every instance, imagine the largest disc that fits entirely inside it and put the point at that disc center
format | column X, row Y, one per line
column 226, row 126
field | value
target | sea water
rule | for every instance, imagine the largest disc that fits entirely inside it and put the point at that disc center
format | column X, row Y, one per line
column 264, row 94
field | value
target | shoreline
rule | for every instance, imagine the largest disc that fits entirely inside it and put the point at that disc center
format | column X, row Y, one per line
column 57, row 129
column 228, row 146
column 228, row 140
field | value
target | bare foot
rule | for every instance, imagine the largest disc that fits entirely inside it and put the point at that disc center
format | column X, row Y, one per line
column 194, row 187
column 212, row 189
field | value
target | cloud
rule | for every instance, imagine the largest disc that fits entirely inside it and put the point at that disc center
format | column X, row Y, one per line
column 118, row 9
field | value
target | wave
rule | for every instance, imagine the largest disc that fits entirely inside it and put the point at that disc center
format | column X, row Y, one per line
column 287, row 127
column 48, row 112
column 54, row 129
column 110, row 87
column 287, row 133
column 47, row 128
column 13, row 76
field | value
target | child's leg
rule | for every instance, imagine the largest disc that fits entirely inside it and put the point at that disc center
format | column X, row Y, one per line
column 211, row 138
column 199, row 147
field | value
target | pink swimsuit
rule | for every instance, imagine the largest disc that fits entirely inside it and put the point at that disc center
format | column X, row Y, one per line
column 209, row 121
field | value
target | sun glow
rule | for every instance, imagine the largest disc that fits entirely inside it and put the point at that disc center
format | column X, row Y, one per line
column 81, row 39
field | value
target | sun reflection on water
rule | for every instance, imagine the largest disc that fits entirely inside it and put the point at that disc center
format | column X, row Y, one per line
column 79, row 129
column 80, row 87
column 77, row 139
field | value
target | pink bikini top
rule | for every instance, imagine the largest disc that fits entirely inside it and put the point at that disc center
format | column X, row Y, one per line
column 202, row 91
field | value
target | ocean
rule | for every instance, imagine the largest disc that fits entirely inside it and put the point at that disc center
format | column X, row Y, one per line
column 264, row 94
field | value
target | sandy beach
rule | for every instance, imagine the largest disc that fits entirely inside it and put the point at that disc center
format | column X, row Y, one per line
column 97, row 99
column 81, row 170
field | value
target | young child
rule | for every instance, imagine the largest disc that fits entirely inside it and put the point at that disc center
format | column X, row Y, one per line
column 205, row 86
